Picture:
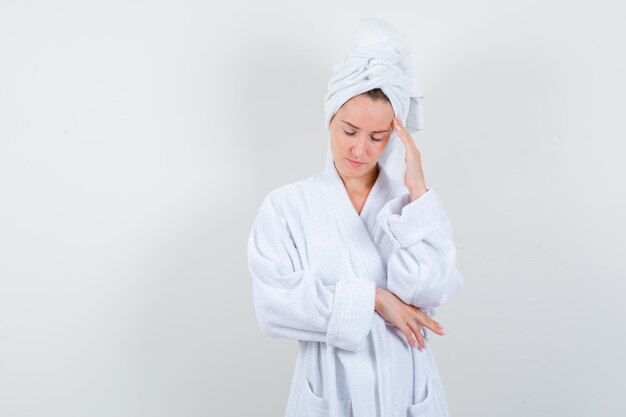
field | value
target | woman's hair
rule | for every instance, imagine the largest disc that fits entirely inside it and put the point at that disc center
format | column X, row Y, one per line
column 377, row 94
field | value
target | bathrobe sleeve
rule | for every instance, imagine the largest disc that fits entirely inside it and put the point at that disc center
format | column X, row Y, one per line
column 422, row 268
column 292, row 302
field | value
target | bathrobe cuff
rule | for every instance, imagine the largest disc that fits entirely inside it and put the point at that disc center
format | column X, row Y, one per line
column 408, row 222
column 352, row 315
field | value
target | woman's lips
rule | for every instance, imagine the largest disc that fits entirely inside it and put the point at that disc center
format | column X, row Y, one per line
column 355, row 164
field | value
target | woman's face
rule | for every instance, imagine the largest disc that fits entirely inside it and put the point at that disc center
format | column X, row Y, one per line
column 359, row 133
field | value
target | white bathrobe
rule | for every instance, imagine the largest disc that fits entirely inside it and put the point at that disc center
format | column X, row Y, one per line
column 315, row 264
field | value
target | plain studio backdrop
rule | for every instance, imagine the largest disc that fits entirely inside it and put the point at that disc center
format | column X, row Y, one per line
column 137, row 140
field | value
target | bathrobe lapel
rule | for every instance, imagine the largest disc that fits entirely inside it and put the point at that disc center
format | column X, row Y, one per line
column 361, row 239
column 361, row 229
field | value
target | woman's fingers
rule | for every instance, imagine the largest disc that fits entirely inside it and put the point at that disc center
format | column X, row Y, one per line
column 408, row 333
column 425, row 320
column 408, row 318
column 420, row 337
column 434, row 326
column 404, row 136
column 417, row 331
column 413, row 335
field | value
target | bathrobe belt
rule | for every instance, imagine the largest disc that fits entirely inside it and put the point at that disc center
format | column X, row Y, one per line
column 382, row 372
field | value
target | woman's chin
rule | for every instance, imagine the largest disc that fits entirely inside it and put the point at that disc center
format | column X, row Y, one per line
column 349, row 171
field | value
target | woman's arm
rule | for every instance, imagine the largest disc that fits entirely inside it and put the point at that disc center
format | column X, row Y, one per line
column 421, row 270
column 291, row 302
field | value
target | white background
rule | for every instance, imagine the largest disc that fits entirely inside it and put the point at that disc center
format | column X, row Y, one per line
column 137, row 140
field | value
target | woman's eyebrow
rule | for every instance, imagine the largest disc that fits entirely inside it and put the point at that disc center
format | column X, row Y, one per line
column 358, row 128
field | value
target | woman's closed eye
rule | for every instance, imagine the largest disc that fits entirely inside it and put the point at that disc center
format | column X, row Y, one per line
column 354, row 133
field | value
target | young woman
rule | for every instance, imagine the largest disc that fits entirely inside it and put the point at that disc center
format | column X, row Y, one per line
column 354, row 261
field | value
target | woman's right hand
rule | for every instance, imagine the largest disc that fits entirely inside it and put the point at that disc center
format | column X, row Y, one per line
column 406, row 317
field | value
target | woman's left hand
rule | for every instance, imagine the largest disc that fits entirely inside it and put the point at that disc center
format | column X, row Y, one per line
column 414, row 175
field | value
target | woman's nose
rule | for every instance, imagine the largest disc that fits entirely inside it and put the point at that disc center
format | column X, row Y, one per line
column 358, row 147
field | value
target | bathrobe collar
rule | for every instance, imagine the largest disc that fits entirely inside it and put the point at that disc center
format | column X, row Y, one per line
column 357, row 224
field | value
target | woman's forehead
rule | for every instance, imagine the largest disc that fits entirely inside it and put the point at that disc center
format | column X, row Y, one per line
column 366, row 114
